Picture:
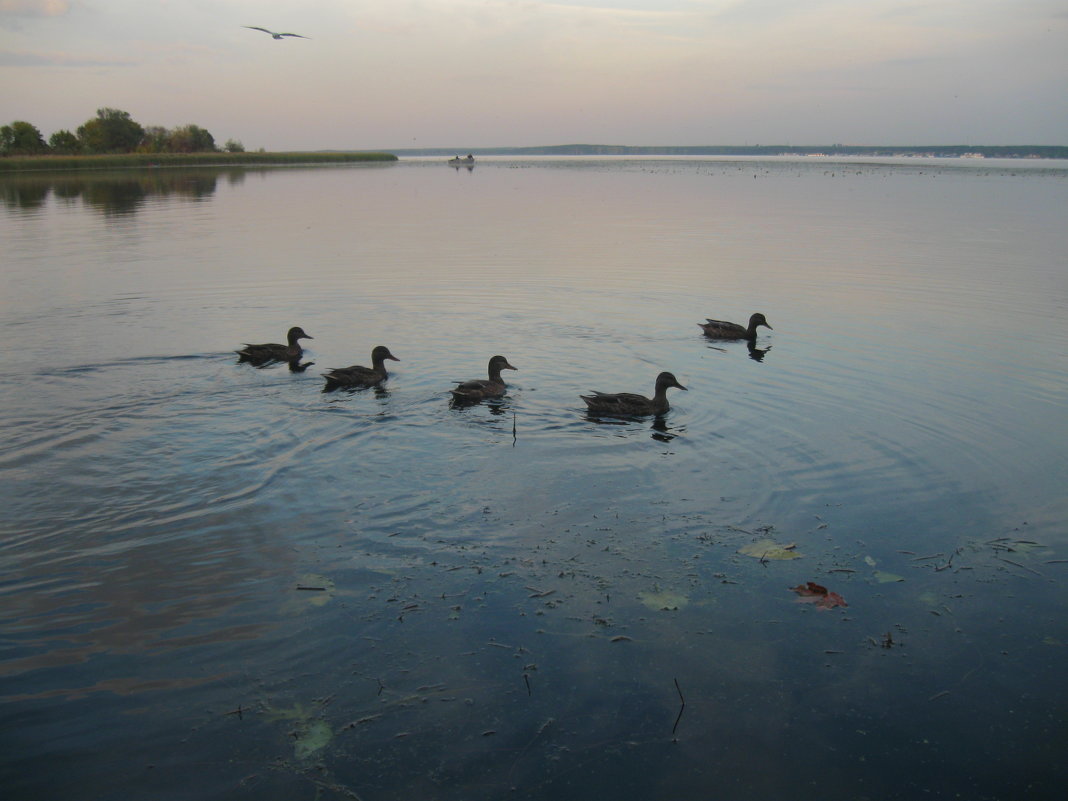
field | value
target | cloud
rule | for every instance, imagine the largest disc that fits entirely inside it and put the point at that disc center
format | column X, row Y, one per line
column 34, row 8
column 25, row 59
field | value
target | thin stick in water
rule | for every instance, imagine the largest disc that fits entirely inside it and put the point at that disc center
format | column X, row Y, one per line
column 682, row 706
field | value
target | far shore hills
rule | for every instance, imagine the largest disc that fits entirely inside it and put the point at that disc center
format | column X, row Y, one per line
column 16, row 164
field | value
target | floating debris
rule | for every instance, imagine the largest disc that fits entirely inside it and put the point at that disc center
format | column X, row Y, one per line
column 664, row 600
column 883, row 577
column 770, row 550
column 813, row 593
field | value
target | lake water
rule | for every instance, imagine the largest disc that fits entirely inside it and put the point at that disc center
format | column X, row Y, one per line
column 220, row 582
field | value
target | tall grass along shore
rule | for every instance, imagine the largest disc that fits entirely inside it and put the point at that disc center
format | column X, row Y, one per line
column 120, row 160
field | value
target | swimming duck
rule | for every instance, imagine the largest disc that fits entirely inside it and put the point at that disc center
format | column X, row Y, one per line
column 627, row 404
column 720, row 329
column 357, row 376
column 273, row 352
column 472, row 391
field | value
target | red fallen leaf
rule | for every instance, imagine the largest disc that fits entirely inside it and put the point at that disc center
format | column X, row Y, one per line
column 813, row 593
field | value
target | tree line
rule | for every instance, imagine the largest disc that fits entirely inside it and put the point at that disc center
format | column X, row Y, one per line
column 110, row 131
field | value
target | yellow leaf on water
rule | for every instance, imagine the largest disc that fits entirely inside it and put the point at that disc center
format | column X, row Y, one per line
column 311, row 738
column 769, row 549
column 310, row 590
column 886, row 578
column 664, row 600
column 312, row 734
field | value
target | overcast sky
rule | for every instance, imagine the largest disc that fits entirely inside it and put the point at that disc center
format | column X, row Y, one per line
column 389, row 74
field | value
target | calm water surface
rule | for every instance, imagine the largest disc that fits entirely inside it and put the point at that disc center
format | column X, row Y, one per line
column 220, row 582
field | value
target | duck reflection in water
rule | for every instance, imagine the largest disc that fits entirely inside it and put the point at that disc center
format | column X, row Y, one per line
column 297, row 366
column 662, row 432
column 755, row 353
column 659, row 428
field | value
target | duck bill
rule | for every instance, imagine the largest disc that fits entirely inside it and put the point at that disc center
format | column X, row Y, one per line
column 677, row 385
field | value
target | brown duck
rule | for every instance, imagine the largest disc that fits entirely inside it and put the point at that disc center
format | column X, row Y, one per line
column 721, row 329
column 478, row 389
column 357, row 376
column 274, row 352
column 627, row 404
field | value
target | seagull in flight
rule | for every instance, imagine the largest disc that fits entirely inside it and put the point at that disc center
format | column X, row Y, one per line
column 273, row 34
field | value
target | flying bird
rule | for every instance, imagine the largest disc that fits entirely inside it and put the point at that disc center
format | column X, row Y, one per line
column 273, row 34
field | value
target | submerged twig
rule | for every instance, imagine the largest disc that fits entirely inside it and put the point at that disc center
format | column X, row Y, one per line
column 682, row 706
column 1022, row 567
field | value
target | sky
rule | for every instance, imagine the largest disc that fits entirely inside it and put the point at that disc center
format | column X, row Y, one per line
column 464, row 74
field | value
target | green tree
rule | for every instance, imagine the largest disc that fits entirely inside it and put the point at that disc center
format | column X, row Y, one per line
column 190, row 139
column 64, row 143
column 111, row 131
column 154, row 140
column 20, row 138
column 234, row 146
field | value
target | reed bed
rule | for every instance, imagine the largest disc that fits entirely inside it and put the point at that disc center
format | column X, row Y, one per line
column 140, row 160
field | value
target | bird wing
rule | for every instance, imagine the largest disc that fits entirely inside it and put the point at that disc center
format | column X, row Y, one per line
column 257, row 28
column 297, row 35
column 478, row 383
column 620, row 400
column 353, row 371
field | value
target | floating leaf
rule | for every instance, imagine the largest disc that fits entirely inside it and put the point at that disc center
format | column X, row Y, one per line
column 319, row 590
column 664, row 601
column 813, row 593
column 311, row 590
column 769, row 549
column 887, row 578
column 312, row 734
column 869, row 561
column 314, row 737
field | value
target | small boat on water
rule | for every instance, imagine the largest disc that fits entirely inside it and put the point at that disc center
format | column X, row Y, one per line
column 462, row 161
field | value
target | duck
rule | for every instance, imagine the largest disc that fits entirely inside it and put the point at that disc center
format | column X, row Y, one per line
column 273, row 352
column 721, row 329
column 480, row 388
column 357, row 376
column 627, row 404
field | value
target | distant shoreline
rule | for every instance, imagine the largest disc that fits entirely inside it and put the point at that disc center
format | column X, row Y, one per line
column 916, row 151
column 18, row 164
column 142, row 160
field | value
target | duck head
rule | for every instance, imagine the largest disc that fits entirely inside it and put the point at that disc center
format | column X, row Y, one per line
column 381, row 353
column 665, row 380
